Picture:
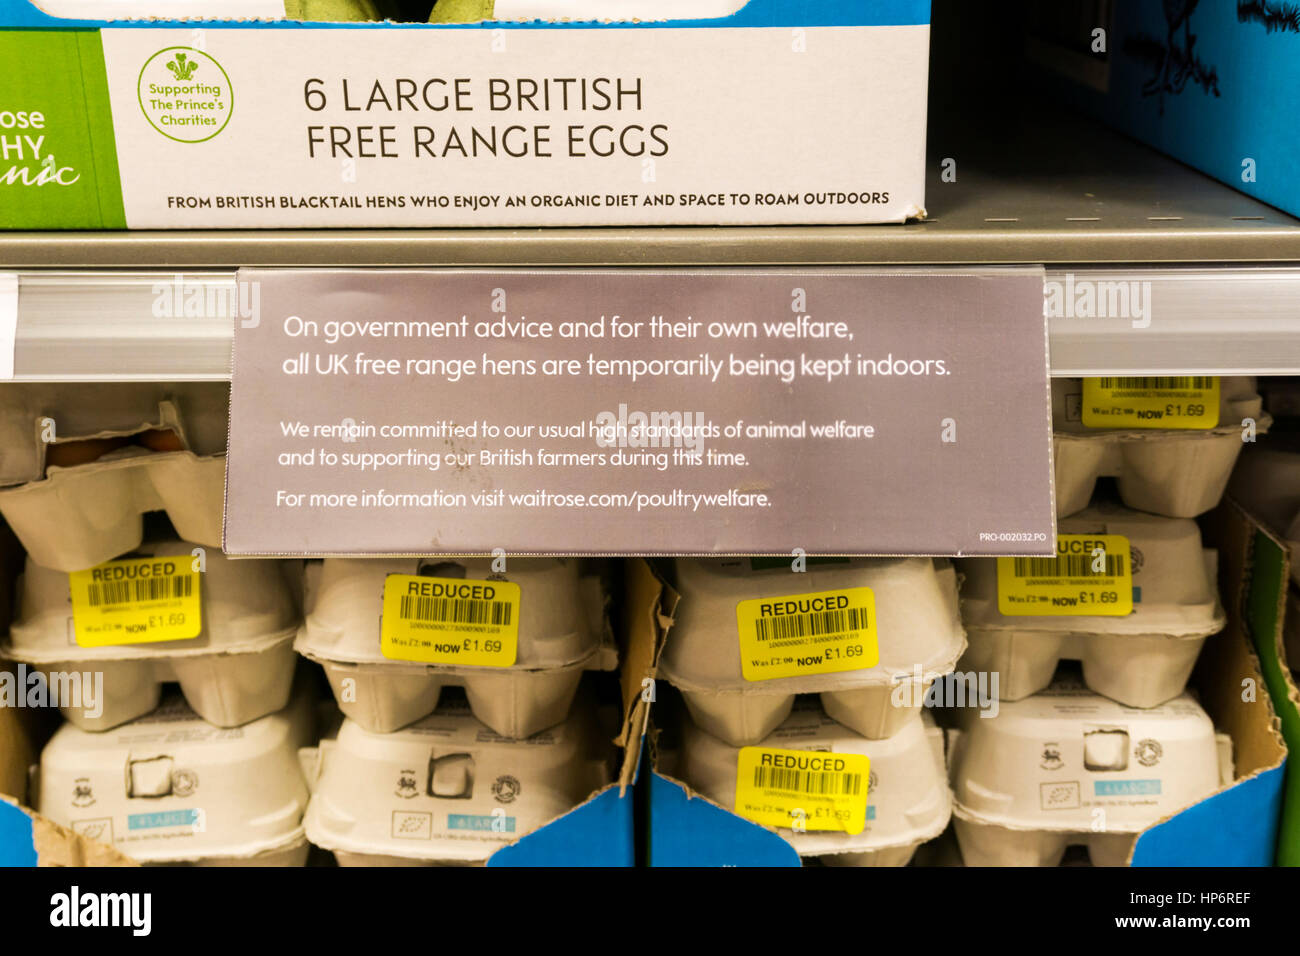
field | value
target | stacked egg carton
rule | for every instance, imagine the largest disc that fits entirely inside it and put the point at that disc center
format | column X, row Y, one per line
column 415, row 776
column 855, row 774
column 1131, row 595
column 107, row 613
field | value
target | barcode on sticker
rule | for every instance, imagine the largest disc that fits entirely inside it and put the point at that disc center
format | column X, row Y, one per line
column 820, row 783
column 102, row 594
column 1074, row 583
column 460, row 621
column 136, row 601
column 1167, row 383
column 434, row 610
column 803, row 789
column 1069, row 566
column 811, row 625
column 819, row 632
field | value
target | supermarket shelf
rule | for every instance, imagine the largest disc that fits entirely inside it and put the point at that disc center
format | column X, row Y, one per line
column 122, row 326
column 1056, row 190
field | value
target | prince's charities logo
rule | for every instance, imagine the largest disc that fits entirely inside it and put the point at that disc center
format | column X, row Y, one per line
column 185, row 94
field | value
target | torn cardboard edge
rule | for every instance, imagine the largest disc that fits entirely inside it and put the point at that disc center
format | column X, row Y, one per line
column 1258, row 745
column 1259, row 613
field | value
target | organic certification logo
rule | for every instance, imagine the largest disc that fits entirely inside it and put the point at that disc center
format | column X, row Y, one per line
column 185, row 94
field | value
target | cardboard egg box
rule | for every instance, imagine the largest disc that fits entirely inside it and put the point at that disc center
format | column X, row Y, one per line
column 1141, row 659
column 909, row 801
column 170, row 788
column 563, row 631
column 1237, row 824
column 609, row 115
column 238, row 667
column 1178, row 473
column 918, row 637
column 82, row 486
column 446, row 790
column 1068, row 767
column 594, row 829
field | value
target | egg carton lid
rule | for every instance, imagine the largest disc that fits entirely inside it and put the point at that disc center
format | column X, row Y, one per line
column 918, row 747
column 151, row 748
column 559, row 758
column 1197, row 617
column 712, row 587
column 344, row 600
column 247, row 606
column 1067, row 705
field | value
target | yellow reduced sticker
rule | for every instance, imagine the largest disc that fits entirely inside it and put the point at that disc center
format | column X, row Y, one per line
column 450, row 621
column 820, row 633
column 1091, row 575
column 136, row 601
column 1178, row 401
column 802, row 789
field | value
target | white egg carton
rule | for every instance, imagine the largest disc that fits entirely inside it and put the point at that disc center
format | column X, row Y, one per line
column 169, row 788
column 76, row 517
column 1140, row 659
column 239, row 667
column 579, row 10
column 1267, row 483
column 1178, row 473
column 1068, row 767
column 908, row 797
column 562, row 633
column 446, row 790
column 918, row 628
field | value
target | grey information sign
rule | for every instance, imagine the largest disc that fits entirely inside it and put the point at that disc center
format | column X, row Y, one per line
column 638, row 412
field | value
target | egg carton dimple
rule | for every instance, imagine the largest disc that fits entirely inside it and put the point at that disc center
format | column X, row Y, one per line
column 919, row 635
column 171, row 789
column 1177, row 473
column 1141, row 659
column 446, row 790
column 76, row 517
column 239, row 668
column 909, row 799
column 1068, row 767
column 562, row 633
